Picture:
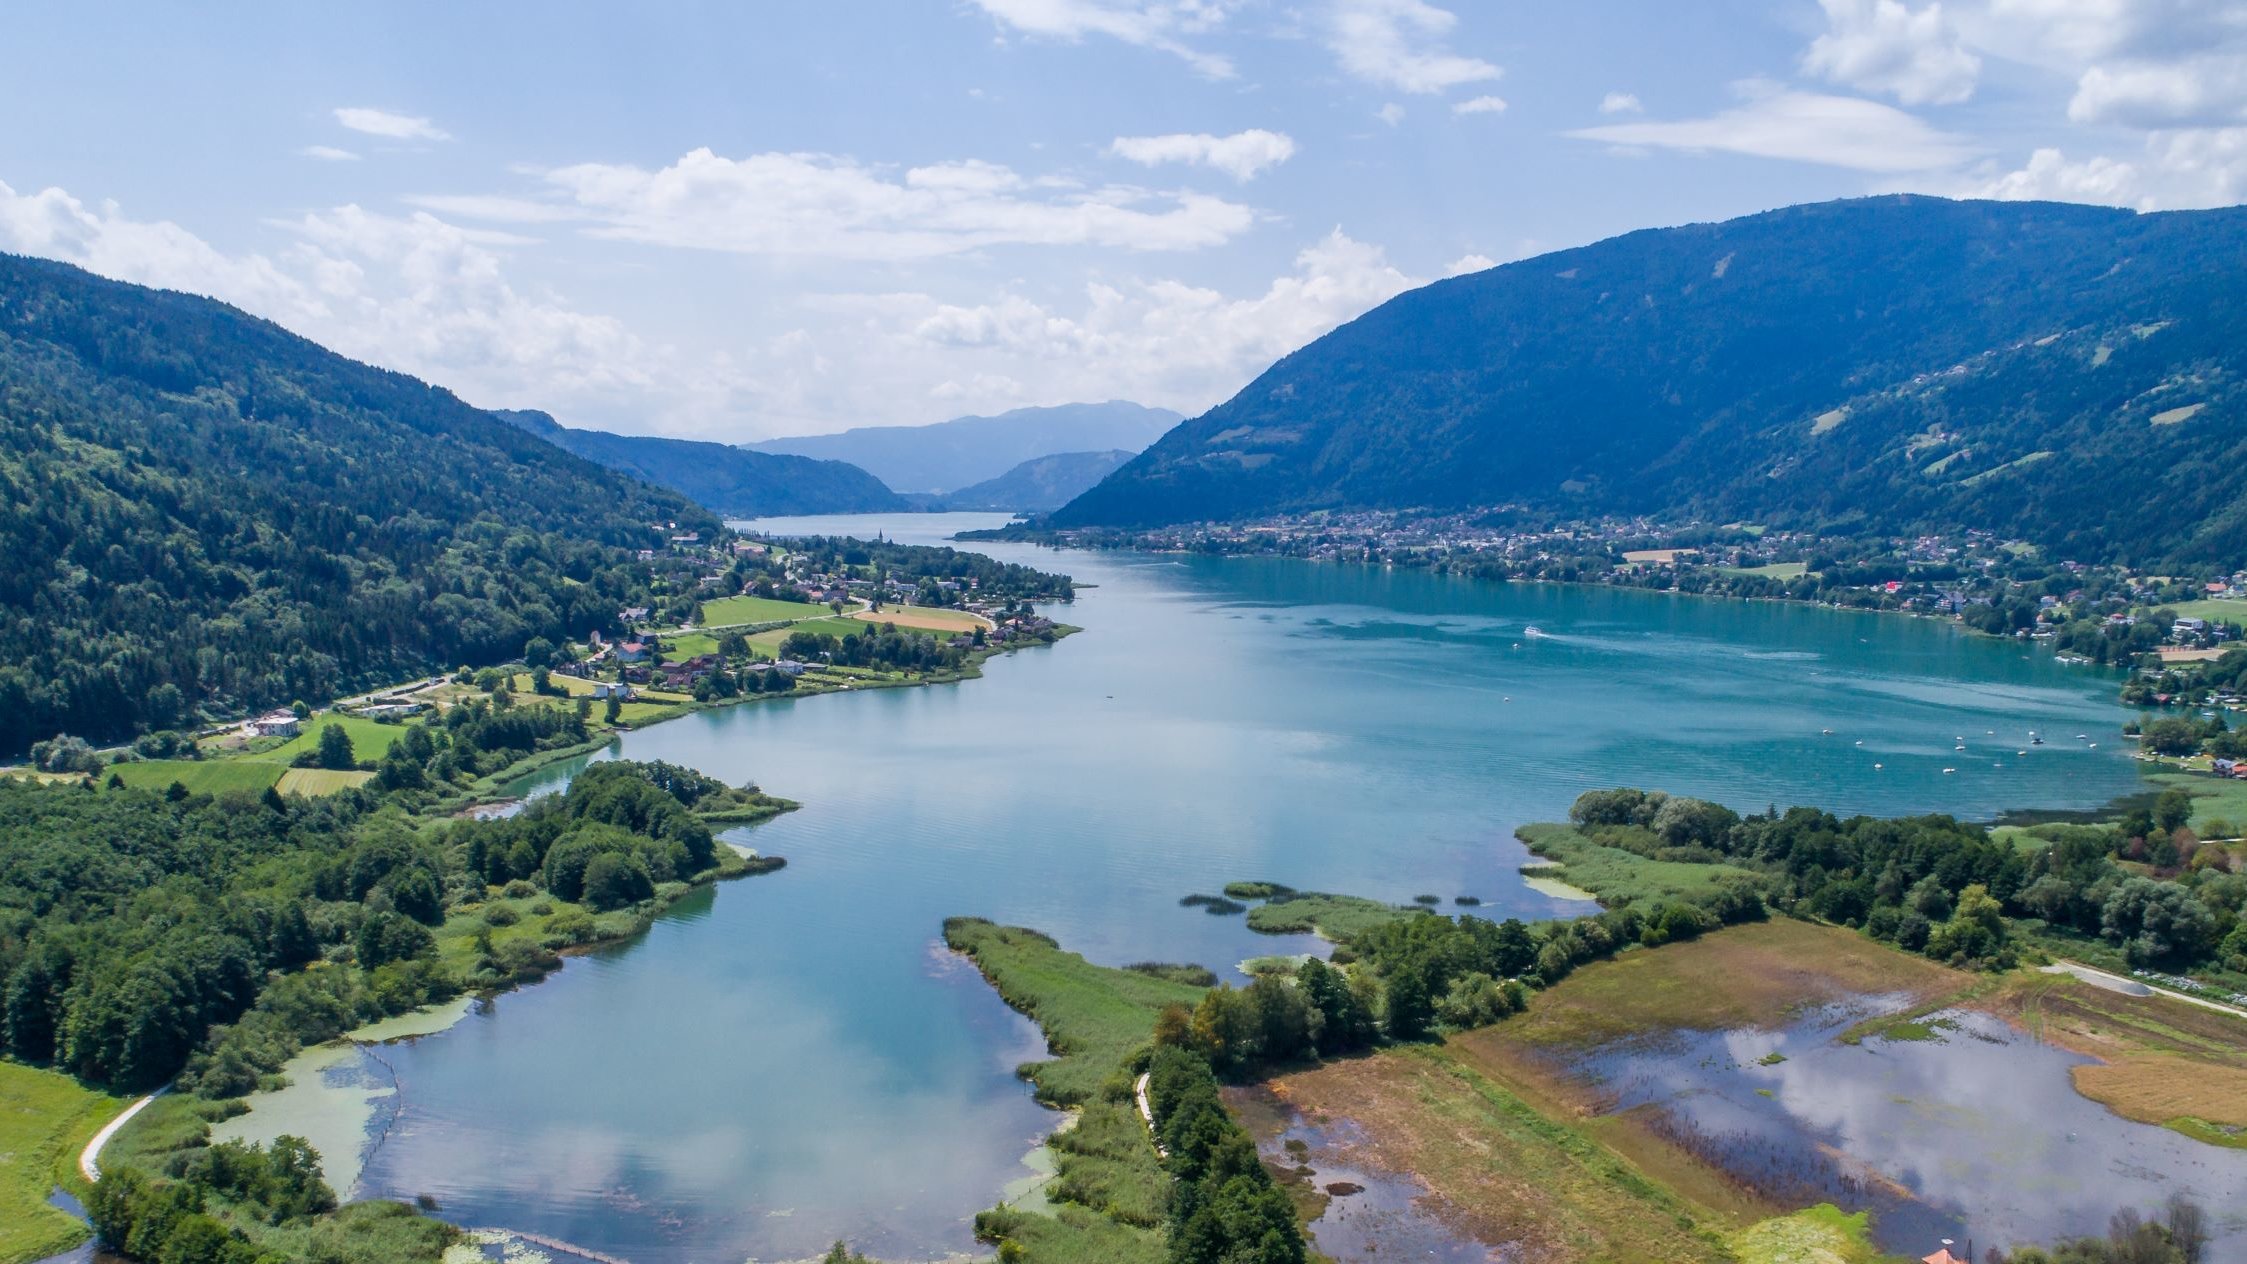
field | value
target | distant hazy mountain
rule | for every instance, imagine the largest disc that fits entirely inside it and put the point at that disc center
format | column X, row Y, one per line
column 966, row 450
column 722, row 479
column 2075, row 375
column 1041, row 483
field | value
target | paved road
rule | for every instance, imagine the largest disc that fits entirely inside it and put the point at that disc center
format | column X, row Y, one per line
column 2132, row 987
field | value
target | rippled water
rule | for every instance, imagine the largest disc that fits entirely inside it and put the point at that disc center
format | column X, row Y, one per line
column 792, row 1058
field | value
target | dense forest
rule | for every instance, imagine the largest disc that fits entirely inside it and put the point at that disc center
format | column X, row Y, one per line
column 148, row 938
column 2071, row 375
column 207, row 514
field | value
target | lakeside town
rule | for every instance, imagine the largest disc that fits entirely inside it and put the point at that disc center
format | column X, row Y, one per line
column 2112, row 615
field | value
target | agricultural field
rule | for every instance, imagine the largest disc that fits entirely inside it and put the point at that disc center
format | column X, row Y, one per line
column 1774, row 570
column 925, row 618
column 314, row 782
column 767, row 643
column 734, row 611
column 2218, row 610
column 45, row 1119
column 370, row 741
column 200, row 776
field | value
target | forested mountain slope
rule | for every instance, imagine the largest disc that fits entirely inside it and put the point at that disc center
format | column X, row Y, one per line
column 722, row 479
column 2071, row 374
column 202, row 512
column 1046, row 482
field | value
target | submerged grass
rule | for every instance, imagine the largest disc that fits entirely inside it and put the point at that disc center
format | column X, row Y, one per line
column 1507, row 1172
column 1824, row 1234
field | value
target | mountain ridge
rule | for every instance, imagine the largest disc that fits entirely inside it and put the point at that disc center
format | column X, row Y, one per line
column 726, row 480
column 1805, row 366
column 949, row 455
column 1040, row 483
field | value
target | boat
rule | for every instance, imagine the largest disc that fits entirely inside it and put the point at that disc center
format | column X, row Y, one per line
column 1533, row 630
column 1950, row 770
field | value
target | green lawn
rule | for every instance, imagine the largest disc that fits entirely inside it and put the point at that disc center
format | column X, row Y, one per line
column 2213, row 798
column 200, row 776
column 767, row 643
column 1333, row 917
column 369, row 740
column 45, row 1119
column 2219, row 611
column 730, row 611
column 314, row 782
column 682, row 646
column 1619, row 877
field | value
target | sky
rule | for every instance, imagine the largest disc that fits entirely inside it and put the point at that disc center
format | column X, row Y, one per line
column 743, row 220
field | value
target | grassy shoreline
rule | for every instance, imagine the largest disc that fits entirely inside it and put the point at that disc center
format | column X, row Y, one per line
column 1104, row 1203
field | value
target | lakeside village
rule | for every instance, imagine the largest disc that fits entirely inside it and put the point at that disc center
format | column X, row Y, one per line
column 2158, row 625
column 718, row 620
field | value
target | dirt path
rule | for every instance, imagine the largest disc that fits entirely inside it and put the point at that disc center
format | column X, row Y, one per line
column 89, row 1165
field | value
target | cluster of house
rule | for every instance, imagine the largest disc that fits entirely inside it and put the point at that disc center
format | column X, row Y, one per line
column 2234, row 768
column 280, row 722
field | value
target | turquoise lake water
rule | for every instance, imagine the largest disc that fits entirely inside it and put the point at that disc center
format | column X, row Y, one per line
column 793, row 1059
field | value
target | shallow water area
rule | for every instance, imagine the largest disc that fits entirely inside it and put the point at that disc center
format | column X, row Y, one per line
column 1370, row 1215
column 1975, row 1131
column 791, row 1059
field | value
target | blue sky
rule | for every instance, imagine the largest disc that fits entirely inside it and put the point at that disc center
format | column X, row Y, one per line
column 740, row 220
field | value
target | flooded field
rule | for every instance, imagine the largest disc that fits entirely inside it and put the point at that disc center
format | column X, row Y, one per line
column 1960, row 1127
column 1666, row 1102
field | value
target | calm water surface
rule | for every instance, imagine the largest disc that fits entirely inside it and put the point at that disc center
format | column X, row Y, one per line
column 793, row 1058
column 1974, row 1133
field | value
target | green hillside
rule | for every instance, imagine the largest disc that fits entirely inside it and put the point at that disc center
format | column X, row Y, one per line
column 1046, row 482
column 204, row 513
column 722, row 479
column 2070, row 374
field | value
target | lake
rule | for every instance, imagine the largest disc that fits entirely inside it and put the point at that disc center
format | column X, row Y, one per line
column 793, row 1059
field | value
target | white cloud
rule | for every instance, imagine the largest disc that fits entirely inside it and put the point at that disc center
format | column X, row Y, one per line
column 1399, row 44
column 390, row 126
column 2049, row 176
column 828, row 206
column 1390, row 113
column 1465, row 264
column 328, row 153
column 1620, row 103
column 1159, row 341
column 2204, row 91
column 1155, row 24
column 1798, row 126
column 1241, row 155
column 1480, row 105
column 1882, row 46
column 411, row 293
column 2175, row 170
